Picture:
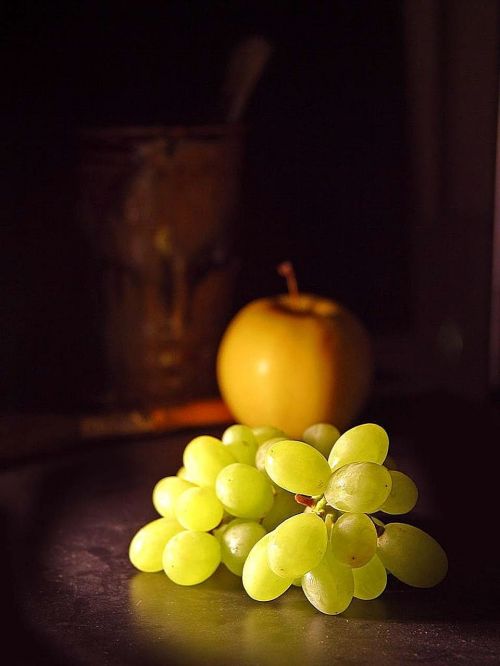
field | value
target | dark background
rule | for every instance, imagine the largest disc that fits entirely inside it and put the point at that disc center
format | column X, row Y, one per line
column 325, row 171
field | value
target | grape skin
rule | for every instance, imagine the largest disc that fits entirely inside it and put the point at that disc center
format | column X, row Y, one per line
column 191, row 557
column 367, row 442
column 359, row 487
column 244, row 491
column 260, row 458
column 147, row 545
column 297, row 467
column 354, row 539
column 204, row 457
column 322, row 436
column 166, row 493
column 297, row 545
column 377, row 522
column 329, row 587
column 370, row 580
column 390, row 463
column 284, row 506
column 263, row 433
column 199, row 509
column 259, row 580
column 403, row 495
column 412, row 555
column 237, row 540
column 241, row 441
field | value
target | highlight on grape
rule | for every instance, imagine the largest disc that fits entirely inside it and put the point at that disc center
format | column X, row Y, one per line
column 279, row 512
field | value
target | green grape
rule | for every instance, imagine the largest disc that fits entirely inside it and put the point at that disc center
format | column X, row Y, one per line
column 241, row 441
column 329, row 586
column 390, row 463
column 377, row 522
column 363, row 443
column 412, row 555
column 204, row 457
column 297, row 467
column 370, row 580
column 244, row 491
column 359, row 487
column 238, row 539
column 354, row 539
column 403, row 495
column 181, row 473
column 322, row 436
column 297, row 545
column 263, row 433
column 260, row 458
column 297, row 582
column 166, row 493
column 259, row 580
column 199, row 509
column 219, row 531
column 284, row 506
column 191, row 557
column 330, row 519
column 146, row 548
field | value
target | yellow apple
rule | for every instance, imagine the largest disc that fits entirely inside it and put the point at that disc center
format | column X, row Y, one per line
column 294, row 360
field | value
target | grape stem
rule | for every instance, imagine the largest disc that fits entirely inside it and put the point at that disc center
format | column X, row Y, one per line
column 317, row 504
column 305, row 500
column 285, row 269
column 320, row 507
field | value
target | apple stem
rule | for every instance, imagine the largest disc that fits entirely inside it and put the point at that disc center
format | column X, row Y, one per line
column 286, row 270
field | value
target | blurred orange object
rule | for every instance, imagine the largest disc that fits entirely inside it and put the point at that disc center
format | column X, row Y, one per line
column 199, row 412
column 38, row 434
column 196, row 413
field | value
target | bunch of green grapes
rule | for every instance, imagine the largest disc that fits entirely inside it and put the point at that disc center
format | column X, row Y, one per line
column 217, row 507
column 281, row 512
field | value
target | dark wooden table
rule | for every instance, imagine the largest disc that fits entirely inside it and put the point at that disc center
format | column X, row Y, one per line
column 71, row 597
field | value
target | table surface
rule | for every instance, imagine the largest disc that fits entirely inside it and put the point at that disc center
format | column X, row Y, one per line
column 73, row 598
